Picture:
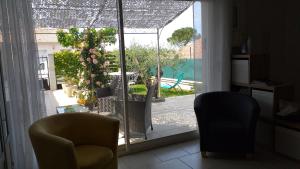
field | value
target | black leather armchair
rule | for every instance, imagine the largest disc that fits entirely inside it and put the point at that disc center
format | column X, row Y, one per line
column 227, row 122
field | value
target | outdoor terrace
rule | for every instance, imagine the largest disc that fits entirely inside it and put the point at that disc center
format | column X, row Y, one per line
column 173, row 116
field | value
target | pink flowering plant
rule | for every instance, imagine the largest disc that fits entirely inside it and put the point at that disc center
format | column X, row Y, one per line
column 96, row 62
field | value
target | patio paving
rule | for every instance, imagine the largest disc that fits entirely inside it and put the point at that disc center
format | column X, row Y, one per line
column 175, row 112
column 173, row 116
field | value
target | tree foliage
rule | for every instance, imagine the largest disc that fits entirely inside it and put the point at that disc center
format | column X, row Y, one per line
column 74, row 38
column 67, row 65
column 182, row 37
column 143, row 59
column 94, row 60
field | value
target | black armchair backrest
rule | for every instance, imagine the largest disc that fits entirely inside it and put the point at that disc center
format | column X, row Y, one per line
column 214, row 105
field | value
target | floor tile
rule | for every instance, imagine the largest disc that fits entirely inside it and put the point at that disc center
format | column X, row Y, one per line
column 184, row 156
column 121, row 164
column 169, row 153
column 191, row 146
column 171, row 164
column 140, row 160
column 195, row 161
column 275, row 161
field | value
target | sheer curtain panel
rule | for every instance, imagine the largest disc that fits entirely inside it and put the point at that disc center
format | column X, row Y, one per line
column 217, row 33
column 19, row 63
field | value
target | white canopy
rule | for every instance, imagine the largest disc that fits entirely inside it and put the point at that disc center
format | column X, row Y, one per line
column 103, row 13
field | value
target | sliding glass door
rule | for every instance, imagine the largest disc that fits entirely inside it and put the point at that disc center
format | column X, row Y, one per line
column 162, row 74
column 160, row 105
column 198, row 45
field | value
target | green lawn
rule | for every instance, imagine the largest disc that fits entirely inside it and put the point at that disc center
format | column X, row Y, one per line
column 141, row 90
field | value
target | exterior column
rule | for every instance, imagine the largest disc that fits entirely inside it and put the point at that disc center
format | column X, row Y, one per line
column 51, row 72
column 158, row 65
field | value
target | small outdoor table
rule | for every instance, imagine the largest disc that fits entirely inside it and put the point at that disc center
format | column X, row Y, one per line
column 131, row 76
column 72, row 109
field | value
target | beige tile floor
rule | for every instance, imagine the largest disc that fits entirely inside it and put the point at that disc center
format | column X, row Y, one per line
column 187, row 156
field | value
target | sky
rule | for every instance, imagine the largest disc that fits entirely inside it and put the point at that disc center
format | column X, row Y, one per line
column 186, row 19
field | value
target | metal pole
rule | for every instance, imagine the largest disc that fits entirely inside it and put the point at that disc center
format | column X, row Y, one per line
column 123, row 71
column 191, row 51
column 158, row 65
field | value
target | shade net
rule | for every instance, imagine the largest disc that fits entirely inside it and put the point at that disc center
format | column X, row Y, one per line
column 103, row 13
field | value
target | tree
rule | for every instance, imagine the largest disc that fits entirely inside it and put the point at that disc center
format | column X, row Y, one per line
column 183, row 36
column 143, row 59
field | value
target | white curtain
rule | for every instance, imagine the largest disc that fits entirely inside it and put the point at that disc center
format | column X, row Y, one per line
column 216, row 35
column 19, row 63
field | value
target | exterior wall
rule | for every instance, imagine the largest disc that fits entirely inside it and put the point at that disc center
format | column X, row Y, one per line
column 191, row 50
column 47, row 45
column 47, row 41
column 46, row 48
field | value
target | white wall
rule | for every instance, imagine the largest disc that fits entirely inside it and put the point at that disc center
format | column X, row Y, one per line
column 48, row 47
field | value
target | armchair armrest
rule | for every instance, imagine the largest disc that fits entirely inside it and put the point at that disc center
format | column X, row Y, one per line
column 53, row 151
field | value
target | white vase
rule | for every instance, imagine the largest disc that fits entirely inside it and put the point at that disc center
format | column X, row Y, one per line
column 63, row 85
column 69, row 90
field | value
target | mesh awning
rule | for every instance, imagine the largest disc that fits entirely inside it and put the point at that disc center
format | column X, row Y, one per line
column 103, row 13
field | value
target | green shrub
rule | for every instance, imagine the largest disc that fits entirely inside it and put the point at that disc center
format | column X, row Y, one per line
column 67, row 65
column 141, row 89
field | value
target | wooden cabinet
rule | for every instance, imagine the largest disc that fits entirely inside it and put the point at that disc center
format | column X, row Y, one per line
column 265, row 100
column 268, row 98
column 247, row 70
column 287, row 141
column 240, row 71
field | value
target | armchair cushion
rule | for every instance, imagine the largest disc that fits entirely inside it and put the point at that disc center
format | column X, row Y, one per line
column 93, row 157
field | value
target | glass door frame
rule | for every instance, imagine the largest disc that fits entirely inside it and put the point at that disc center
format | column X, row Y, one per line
column 136, row 147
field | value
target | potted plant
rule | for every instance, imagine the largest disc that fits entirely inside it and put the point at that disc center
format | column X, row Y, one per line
column 87, row 98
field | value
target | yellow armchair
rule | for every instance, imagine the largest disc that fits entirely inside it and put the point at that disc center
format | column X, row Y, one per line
column 75, row 141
